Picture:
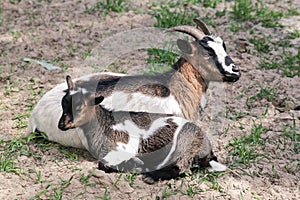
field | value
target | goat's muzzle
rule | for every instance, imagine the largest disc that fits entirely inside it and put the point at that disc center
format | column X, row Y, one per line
column 232, row 77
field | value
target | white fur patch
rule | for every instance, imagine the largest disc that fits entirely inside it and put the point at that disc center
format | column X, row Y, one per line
column 130, row 150
column 217, row 46
column 180, row 122
column 92, row 76
column 113, row 74
column 203, row 101
column 132, row 102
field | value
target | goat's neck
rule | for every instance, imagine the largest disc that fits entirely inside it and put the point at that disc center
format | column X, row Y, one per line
column 187, row 78
column 192, row 75
column 96, row 131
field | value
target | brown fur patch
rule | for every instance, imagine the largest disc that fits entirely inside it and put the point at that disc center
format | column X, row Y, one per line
column 159, row 139
column 145, row 84
column 189, row 89
column 119, row 136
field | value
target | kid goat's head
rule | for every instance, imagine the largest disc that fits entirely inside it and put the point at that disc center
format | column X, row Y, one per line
column 78, row 106
column 207, row 54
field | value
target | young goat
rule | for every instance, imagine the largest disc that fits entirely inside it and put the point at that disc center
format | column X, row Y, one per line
column 46, row 113
column 134, row 140
column 180, row 91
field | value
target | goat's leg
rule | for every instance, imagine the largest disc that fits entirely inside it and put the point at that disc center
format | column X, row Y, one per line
column 192, row 144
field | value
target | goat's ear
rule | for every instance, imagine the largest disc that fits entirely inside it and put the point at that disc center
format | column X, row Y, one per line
column 97, row 100
column 185, row 46
column 70, row 83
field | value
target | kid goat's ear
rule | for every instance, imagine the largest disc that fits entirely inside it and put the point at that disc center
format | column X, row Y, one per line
column 70, row 83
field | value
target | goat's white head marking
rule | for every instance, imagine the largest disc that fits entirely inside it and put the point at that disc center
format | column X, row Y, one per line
column 217, row 49
column 213, row 46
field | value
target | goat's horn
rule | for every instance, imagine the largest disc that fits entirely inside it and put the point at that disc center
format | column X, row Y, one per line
column 190, row 30
column 202, row 26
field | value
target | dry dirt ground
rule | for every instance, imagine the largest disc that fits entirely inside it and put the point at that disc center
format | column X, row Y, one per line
column 253, row 124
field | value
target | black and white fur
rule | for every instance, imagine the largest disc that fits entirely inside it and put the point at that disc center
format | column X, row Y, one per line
column 180, row 91
column 133, row 140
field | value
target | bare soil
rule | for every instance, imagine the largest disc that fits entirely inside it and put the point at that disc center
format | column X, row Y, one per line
column 62, row 32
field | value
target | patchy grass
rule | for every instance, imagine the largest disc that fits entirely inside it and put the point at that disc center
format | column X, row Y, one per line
column 290, row 135
column 246, row 10
column 130, row 178
column 235, row 115
column 286, row 61
column 171, row 13
column 12, row 149
column 189, row 186
column 244, row 149
column 53, row 190
column 160, row 60
column 106, row 195
column 261, row 44
column 1, row 14
column 209, row 3
column 113, row 67
column 267, row 93
column 108, row 6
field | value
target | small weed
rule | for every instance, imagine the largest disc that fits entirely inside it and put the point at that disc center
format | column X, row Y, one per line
column 54, row 190
column 39, row 176
column 191, row 191
column 167, row 192
column 262, row 45
column 16, row 34
column 117, row 180
column 235, row 115
column 293, row 35
column 9, row 87
column 7, row 164
column 115, row 68
column 211, row 3
column 85, row 54
column 275, row 173
column 210, row 178
column 130, row 177
column 242, row 10
column 10, row 150
column 267, row 93
column 71, row 50
column 84, row 179
column 70, row 155
column 291, row 134
column 268, row 17
column 106, row 195
column 109, row 6
column 1, row 14
column 21, row 120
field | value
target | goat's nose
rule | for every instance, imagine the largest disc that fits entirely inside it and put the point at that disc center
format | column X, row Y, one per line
column 235, row 68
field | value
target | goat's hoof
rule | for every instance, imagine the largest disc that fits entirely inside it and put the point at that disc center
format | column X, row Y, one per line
column 148, row 179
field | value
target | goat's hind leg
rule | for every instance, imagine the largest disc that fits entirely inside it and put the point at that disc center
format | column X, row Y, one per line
column 192, row 144
column 166, row 173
